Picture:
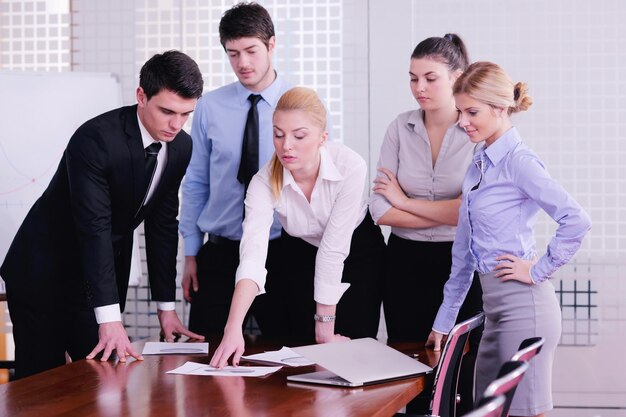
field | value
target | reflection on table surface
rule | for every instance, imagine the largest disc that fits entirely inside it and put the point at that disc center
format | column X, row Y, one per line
column 142, row 388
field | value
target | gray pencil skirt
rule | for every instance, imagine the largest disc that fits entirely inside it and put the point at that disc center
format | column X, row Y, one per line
column 515, row 311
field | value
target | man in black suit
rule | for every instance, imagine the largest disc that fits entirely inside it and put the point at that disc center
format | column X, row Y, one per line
column 67, row 269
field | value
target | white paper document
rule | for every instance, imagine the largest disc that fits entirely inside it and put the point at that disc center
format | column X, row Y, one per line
column 193, row 368
column 176, row 348
column 284, row 356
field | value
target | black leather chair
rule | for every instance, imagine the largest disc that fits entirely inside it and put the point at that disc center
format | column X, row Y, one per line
column 491, row 407
column 509, row 376
column 444, row 394
column 528, row 349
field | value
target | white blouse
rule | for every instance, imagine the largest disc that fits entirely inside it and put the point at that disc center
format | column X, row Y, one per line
column 338, row 205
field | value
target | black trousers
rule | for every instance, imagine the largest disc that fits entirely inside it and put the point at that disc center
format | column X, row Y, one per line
column 416, row 273
column 42, row 335
column 411, row 302
column 217, row 264
column 290, row 293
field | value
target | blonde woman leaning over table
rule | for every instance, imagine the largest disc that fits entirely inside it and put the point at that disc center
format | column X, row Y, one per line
column 333, row 252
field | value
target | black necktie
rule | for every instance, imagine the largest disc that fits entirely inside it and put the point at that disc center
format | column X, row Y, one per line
column 150, row 168
column 249, row 164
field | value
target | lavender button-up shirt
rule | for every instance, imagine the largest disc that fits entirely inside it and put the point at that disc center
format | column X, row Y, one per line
column 503, row 191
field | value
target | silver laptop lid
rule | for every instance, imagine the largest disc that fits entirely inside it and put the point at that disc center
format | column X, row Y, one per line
column 363, row 361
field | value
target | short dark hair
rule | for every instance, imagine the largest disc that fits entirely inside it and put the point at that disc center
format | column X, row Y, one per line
column 174, row 71
column 246, row 20
column 449, row 50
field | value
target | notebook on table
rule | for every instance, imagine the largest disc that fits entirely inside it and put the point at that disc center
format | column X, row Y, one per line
column 357, row 362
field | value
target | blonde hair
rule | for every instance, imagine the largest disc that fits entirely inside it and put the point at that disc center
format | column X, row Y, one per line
column 297, row 98
column 487, row 82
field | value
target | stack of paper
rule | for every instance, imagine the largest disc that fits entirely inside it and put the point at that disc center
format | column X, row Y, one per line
column 284, row 356
column 193, row 368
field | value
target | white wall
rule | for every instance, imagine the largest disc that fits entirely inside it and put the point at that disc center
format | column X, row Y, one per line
column 572, row 54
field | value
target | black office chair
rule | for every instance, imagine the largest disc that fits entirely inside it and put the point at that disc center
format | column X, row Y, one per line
column 528, row 349
column 491, row 407
column 509, row 376
column 444, row 395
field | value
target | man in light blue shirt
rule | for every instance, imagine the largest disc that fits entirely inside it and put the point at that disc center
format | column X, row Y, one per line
column 212, row 194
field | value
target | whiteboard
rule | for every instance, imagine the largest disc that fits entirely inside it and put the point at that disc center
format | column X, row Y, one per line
column 39, row 112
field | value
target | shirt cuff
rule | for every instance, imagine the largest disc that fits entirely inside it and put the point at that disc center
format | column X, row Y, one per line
column 329, row 294
column 445, row 319
column 192, row 244
column 536, row 273
column 166, row 305
column 108, row 314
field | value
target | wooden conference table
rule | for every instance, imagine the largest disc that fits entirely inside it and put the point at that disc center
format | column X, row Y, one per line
column 143, row 389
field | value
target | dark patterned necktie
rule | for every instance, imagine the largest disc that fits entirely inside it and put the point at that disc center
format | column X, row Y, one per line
column 249, row 164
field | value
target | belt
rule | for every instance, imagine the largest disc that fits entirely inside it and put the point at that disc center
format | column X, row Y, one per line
column 222, row 241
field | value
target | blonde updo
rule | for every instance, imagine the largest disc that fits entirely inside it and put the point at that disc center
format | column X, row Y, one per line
column 487, row 82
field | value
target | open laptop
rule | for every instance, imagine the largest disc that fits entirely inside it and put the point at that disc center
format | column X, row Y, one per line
column 357, row 362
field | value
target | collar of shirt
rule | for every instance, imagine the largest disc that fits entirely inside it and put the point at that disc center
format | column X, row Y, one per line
column 328, row 171
column 146, row 138
column 502, row 146
column 416, row 123
column 271, row 94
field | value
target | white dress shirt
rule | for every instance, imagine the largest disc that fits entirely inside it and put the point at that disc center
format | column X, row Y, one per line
column 111, row 312
column 338, row 205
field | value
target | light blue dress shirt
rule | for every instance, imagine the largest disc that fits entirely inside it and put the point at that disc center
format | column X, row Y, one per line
column 212, row 197
column 498, row 217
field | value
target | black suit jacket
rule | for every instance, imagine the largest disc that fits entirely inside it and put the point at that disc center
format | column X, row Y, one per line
column 74, row 247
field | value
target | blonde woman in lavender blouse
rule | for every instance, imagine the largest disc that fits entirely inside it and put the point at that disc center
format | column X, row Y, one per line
column 503, row 191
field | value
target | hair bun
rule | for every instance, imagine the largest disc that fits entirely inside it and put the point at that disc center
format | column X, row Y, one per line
column 521, row 98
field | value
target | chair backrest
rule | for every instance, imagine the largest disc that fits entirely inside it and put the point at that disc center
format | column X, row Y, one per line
column 528, row 349
column 443, row 402
column 491, row 407
column 508, row 379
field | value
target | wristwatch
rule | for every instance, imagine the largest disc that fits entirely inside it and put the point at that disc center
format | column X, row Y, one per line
column 324, row 319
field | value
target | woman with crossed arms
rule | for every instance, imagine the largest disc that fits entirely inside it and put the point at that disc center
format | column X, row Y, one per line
column 422, row 161
column 330, row 287
column 421, row 166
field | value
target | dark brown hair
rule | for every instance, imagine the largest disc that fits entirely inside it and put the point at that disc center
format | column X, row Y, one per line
column 174, row 71
column 449, row 50
column 246, row 20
